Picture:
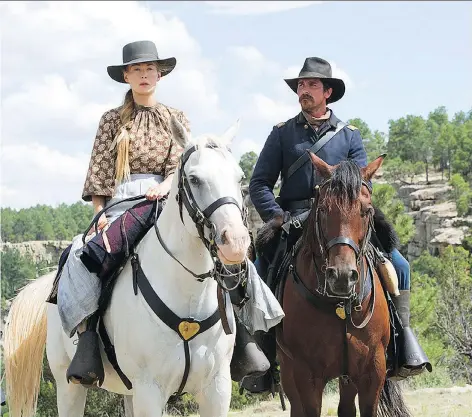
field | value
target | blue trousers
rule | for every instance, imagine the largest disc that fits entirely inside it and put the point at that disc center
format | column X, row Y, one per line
column 401, row 265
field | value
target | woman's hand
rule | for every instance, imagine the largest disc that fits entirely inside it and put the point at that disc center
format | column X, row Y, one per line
column 98, row 203
column 158, row 191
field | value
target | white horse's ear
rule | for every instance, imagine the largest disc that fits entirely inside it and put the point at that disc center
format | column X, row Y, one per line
column 230, row 134
column 179, row 133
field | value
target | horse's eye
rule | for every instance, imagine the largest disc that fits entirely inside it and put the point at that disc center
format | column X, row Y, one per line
column 194, row 180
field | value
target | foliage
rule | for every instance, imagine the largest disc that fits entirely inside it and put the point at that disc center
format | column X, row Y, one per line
column 404, row 171
column 384, row 197
column 462, row 194
column 375, row 143
column 247, row 164
column 16, row 271
column 442, row 308
column 45, row 223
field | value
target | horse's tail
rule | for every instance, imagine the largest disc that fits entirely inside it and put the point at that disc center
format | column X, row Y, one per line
column 24, row 343
column 391, row 402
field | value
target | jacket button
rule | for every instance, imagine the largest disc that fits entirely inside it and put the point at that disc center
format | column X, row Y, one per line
column 306, row 126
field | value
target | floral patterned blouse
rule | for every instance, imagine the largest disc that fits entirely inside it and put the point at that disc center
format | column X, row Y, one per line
column 151, row 149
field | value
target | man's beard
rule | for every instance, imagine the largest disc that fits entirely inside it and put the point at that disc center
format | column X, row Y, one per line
column 307, row 104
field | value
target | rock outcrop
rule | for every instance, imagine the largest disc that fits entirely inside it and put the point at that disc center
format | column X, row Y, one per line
column 39, row 250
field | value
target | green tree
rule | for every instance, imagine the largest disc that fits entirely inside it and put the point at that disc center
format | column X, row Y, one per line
column 462, row 194
column 442, row 306
column 247, row 164
column 385, row 197
column 363, row 127
column 410, row 140
column 17, row 270
column 403, row 171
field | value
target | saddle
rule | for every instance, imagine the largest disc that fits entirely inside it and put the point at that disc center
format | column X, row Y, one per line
column 276, row 239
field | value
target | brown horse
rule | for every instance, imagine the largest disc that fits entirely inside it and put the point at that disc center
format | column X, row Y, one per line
column 336, row 321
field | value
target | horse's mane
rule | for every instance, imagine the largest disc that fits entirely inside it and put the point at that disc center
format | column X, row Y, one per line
column 344, row 186
column 342, row 190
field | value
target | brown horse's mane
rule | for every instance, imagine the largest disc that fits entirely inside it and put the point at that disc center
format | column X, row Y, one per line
column 343, row 191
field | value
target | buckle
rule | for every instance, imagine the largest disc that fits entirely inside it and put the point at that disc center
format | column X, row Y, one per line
column 199, row 217
column 297, row 223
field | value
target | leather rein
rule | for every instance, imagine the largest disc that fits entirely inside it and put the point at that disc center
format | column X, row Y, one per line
column 345, row 302
column 201, row 219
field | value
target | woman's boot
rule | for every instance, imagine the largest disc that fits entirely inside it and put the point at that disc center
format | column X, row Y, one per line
column 248, row 359
column 86, row 367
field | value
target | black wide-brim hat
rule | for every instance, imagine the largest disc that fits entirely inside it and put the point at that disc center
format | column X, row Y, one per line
column 315, row 67
column 137, row 53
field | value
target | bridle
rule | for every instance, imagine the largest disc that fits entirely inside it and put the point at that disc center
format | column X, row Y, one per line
column 325, row 246
column 201, row 219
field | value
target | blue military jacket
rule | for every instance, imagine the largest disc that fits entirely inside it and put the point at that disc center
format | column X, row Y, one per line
column 285, row 144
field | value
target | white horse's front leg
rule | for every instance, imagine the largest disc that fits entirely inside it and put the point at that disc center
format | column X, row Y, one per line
column 148, row 400
column 214, row 400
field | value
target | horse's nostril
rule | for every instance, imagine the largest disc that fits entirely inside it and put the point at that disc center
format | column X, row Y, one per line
column 353, row 276
column 224, row 239
column 331, row 273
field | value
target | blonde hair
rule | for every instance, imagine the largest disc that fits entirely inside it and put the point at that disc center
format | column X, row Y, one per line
column 122, row 170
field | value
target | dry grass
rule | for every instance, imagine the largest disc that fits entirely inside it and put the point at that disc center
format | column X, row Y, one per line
column 429, row 402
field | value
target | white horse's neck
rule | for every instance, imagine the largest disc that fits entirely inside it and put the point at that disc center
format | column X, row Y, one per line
column 179, row 289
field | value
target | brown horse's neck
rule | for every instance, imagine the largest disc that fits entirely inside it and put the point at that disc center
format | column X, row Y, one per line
column 309, row 252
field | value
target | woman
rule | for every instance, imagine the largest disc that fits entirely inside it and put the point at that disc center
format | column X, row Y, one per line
column 133, row 154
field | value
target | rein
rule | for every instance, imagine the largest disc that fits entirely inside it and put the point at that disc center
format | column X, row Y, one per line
column 186, row 328
column 201, row 219
column 345, row 305
column 324, row 247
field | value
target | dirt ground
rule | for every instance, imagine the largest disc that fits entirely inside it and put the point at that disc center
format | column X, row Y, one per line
column 428, row 402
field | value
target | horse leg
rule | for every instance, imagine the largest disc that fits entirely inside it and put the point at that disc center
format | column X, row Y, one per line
column 304, row 392
column 70, row 397
column 370, row 387
column 148, row 399
column 214, row 400
column 347, row 397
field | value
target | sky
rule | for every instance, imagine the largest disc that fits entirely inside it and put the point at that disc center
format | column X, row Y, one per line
column 396, row 58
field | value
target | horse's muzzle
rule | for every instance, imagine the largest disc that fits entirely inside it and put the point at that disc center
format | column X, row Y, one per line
column 233, row 246
column 341, row 281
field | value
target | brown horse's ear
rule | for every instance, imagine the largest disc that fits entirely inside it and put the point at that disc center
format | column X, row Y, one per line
column 369, row 171
column 321, row 166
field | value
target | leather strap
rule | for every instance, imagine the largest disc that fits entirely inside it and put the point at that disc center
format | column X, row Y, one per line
column 168, row 316
column 315, row 148
column 342, row 240
column 111, row 354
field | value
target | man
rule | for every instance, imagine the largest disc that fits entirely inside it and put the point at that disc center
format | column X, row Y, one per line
column 337, row 141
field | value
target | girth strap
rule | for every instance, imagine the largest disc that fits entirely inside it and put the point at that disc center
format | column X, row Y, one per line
column 187, row 328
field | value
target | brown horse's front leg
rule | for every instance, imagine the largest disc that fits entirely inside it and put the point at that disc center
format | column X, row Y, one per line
column 347, row 396
column 309, row 392
column 370, row 387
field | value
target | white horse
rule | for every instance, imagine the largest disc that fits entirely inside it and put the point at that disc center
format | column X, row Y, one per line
column 149, row 353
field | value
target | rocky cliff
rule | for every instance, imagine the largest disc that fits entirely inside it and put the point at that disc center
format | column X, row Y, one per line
column 39, row 250
column 432, row 208
column 434, row 212
column 429, row 204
